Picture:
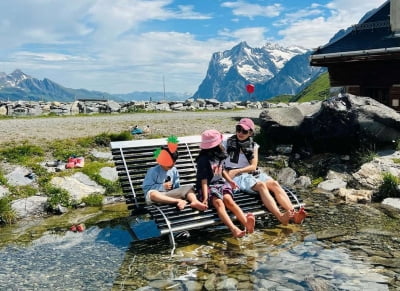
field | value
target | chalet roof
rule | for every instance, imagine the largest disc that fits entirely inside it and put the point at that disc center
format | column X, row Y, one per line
column 372, row 36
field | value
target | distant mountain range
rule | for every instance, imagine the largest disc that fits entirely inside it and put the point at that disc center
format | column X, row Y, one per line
column 20, row 86
column 272, row 69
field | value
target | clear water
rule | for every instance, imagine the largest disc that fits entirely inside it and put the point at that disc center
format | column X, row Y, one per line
column 105, row 257
column 86, row 260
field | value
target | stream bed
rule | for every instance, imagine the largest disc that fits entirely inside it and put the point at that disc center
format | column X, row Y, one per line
column 339, row 247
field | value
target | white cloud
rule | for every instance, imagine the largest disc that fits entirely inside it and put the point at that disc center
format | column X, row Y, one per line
column 314, row 32
column 254, row 36
column 245, row 9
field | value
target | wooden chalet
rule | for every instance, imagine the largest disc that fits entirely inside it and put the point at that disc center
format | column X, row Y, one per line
column 365, row 61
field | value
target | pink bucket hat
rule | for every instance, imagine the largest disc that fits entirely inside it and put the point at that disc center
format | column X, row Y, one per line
column 246, row 123
column 210, row 138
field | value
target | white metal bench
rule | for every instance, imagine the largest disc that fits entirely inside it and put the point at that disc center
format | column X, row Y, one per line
column 132, row 160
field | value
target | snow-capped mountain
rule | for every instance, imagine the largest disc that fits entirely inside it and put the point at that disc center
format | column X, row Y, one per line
column 273, row 69
column 13, row 79
column 20, row 86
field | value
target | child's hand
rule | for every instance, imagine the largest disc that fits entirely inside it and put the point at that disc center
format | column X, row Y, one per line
column 234, row 185
column 168, row 185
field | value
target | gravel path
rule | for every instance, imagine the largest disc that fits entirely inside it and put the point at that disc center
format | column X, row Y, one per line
column 41, row 130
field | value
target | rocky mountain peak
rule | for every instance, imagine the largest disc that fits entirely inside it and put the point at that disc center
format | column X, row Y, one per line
column 229, row 72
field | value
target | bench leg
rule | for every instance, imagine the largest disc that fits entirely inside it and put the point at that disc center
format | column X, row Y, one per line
column 171, row 234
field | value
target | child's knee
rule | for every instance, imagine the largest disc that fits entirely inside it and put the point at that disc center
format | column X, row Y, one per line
column 153, row 194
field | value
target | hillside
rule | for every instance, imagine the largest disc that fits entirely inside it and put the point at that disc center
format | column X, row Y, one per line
column 317, row 90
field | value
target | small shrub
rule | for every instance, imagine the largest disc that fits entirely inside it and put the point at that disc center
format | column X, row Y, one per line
column 125, row 135
column 102, row 140
column 316, row 181
column 397, row 145
column 363, row 156
column 93, row 199
column 57, row 196
column 7, row 214
column 389, row 188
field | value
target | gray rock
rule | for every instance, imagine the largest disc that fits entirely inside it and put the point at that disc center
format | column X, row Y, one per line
column 3, row 191
column 393, row 202
column 336, row 124
column 109, row 173
column 330, row 185
column 78, row 185
column 287, row 176
column 101, row 155
column 19, row 177
column 25, row 207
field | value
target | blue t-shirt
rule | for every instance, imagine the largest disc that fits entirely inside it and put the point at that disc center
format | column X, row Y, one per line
column 156, row 176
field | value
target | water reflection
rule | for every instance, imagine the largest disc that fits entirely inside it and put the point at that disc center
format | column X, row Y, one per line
column 274, row 259
column 65, row 261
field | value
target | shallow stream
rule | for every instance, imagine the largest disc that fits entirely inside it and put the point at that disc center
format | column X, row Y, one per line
column 339, row 247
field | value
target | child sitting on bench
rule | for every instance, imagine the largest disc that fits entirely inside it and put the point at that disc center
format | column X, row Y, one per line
column 161, row 183
column 215, row 186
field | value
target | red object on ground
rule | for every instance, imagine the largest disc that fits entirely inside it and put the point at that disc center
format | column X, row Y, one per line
column 73, row 228
column 80, row 227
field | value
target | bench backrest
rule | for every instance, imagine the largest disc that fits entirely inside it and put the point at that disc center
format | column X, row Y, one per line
column 133, row 158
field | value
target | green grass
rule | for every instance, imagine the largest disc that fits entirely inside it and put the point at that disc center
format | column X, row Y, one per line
column 22, row 154
column 280, row 99
column 317, row 90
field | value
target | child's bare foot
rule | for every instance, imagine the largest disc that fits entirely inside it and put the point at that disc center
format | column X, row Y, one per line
column 251, row 221
column 237, row 232
column 181, row 204
column 299, row 216
column 284, row 218
column 198, row 205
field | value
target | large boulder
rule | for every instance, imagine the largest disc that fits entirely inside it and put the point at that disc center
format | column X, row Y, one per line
column 338, row 124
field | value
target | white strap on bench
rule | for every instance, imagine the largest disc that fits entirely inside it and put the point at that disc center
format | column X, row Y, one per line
column 129, row 176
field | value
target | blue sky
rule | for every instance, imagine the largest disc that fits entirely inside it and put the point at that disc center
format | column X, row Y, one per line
column 121, row 46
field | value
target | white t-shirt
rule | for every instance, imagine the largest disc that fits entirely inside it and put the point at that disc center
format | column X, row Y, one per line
column 242, row 162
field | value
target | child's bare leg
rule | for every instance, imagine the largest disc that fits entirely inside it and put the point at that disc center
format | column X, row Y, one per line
column 251, row 222
column 280, row 194
column 270, row 204
column 194, row 202
column 248, row 221
column 223, row 215
column 159, row 197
